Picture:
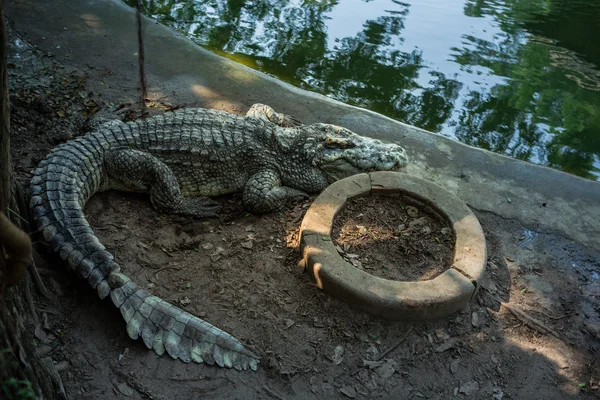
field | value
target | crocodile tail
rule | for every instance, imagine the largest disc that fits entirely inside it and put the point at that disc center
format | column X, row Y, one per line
column 60, row 187
column 165, row 327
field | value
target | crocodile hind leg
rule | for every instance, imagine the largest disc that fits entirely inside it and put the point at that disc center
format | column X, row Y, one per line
column 142, row 172
column 266, row 113
column 263, row 193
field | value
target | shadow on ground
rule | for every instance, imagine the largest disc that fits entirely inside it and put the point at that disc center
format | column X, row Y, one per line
column 313, row 345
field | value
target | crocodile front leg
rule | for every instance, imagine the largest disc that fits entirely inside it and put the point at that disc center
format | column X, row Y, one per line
column 263, row 193
column 142, row 172
column 266, row 113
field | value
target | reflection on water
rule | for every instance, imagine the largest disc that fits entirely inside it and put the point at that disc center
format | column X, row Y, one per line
column 521, row 78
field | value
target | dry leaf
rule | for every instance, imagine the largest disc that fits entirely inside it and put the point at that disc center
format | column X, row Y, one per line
column 447, row 345
column 348, row 391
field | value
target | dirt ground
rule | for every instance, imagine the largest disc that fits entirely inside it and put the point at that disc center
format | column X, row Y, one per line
column 240, row 273
column 394, row 237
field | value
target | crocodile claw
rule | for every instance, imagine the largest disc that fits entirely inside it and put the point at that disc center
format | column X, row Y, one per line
column 201, row 207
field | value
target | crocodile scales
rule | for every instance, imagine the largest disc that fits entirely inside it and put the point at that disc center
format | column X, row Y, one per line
column 181, row 158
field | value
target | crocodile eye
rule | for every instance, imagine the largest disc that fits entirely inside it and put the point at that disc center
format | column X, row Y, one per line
column 338, row 143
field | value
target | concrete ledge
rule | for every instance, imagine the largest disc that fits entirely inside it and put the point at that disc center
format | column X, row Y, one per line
column 429, row 299
column 103, row 34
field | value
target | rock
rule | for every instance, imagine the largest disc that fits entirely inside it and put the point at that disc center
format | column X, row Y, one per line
column 125, row 389
column 372, row 351
column 61, row 366
column 40, row 333
column 412, row 211
column 338, row 352
column 386, row 370
column 248, row 245
column 469, row 388
column 288, row 323
column 454, row 365
column 45, row 323
column 184, row 301
column 475, row 319
column 43, row 351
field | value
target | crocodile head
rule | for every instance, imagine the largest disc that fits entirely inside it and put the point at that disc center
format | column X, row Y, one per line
column 341, row 153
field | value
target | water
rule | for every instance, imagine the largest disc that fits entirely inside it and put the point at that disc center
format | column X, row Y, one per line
column 521, row 78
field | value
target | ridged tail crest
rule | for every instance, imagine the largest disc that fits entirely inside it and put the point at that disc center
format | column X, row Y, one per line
column 61, row 185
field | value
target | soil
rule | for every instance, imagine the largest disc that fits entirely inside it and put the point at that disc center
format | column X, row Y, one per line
column 394, row 237
column 240, row 273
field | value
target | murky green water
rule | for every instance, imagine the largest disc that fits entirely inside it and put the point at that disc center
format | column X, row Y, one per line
column 520, row 78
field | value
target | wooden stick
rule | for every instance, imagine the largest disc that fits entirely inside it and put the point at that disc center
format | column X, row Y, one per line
column 556, row 318
column 141, row 54
column 165, row 268
column 385, row 353
column 530, row 321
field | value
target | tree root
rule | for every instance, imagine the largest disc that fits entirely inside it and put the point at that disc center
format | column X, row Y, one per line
column 39, row 284
column 17, row 246
column 29, row 299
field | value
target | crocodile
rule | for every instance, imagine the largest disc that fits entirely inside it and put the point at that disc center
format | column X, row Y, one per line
column 182, row 158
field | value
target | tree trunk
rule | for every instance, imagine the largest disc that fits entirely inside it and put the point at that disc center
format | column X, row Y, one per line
column 22, row 374
column 5, row 160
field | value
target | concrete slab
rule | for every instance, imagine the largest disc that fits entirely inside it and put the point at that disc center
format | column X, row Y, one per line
column 429, row 299
column 99, row 37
